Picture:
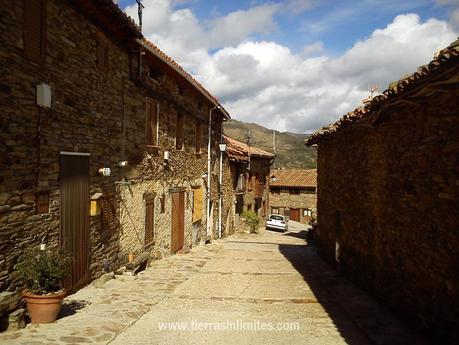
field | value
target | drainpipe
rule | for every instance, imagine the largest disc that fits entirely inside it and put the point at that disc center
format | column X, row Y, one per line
column 220, row 182
column 209, row 141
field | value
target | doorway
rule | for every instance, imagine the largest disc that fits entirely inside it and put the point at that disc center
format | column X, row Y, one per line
column 74, row 215
column 178, row 221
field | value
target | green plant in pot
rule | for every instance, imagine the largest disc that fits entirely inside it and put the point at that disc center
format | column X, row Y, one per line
column 42, row 270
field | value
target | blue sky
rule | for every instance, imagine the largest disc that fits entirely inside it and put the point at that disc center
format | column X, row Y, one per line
column 297, row 65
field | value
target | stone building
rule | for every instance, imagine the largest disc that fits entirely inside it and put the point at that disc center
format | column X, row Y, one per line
column 245, row 181
column 104, row 146
column 294, row 193
column 388, row 194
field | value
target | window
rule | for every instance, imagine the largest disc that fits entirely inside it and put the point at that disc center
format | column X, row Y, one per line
column 181, row 91
column 34, row 30
column 307, row 212
column 198, row 137
column 152, row 122
column 155, row 73
column 179, row 132
column 149, row 219
column 42, row 202
column 163, row 203
column 101, row 53
column 197, row 204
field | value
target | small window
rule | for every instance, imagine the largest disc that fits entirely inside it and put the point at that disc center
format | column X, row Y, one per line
column 42, row 202
column 179, row 133
column 101, row 53
column 307, row 212
column 198, row 137
column 155, row 73
column 181, row 91
column 163, row 203
column 152, row 122
column 149, row 220
column 34, row 30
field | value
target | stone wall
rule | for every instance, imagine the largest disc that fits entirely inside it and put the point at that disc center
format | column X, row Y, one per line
column 282, row 200
column 390, row 216
column 96, row 111
column 249, row 197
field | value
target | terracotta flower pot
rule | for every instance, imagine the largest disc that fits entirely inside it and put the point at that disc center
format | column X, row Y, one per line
column 43, row 308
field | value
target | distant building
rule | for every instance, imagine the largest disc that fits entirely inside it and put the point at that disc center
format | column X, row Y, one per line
column 246, row 181
column 388, row 195
column 294, row 193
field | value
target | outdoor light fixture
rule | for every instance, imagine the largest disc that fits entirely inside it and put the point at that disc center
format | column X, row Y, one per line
column 273, row 178
column 105, row 172
column 123, row 163
column 222, row 146
column 44, row 95
column 167, row 155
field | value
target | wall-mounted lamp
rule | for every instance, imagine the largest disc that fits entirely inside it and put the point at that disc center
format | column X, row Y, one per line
column 273, row 178
column 44, row 95
column 123, row 164
column 167, row 155
column 105, row 172
column 222, row 146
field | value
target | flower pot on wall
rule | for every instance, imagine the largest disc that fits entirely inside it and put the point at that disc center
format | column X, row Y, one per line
column 43, row 308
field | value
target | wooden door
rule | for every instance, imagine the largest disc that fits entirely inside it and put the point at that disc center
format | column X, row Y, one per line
column 74, row 215
column 295, row 214
column 178, row 221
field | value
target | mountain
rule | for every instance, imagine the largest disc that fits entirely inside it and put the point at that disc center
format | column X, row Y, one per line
column 291, row 153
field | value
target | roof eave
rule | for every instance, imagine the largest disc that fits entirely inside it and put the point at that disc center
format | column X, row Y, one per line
column 224, row 112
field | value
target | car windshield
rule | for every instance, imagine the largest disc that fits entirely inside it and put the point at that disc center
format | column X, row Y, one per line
column 274, row 217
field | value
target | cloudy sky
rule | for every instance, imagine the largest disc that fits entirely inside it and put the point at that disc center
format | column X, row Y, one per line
column 297, row 65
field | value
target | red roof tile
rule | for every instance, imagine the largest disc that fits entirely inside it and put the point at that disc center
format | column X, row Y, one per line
column 295, row 178
column 239, row 151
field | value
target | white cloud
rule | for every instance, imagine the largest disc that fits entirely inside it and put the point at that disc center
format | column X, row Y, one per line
column 265, row 82
column 236, row 26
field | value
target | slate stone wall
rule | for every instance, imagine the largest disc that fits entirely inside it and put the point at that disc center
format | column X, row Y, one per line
column 388, row 208
column 96, row 111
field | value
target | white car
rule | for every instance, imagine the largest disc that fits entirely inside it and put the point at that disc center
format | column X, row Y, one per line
column 277, row 222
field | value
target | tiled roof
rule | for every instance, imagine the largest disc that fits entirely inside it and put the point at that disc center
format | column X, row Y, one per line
column 445, row 59
column 238, row 151
column 294, row 178
column 171, row 62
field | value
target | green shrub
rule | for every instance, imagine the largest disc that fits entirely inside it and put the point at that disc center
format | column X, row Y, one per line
column 252, row 220
column 43, row 270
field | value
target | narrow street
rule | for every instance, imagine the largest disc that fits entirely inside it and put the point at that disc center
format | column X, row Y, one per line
column 248, row 282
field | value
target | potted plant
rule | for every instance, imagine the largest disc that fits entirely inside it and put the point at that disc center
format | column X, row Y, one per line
column 42, row 270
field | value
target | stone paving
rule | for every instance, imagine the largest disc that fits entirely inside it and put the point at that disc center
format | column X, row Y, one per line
column 268, row 278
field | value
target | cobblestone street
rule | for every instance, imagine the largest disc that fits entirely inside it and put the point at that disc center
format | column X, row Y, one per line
column 270, row 278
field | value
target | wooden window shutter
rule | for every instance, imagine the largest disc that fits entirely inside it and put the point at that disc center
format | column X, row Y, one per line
column 108, row 213
column 179, row 135
column 152, row 122
column 198, row 137
column 34, row 30
column 149, row 220
column 197, row 204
